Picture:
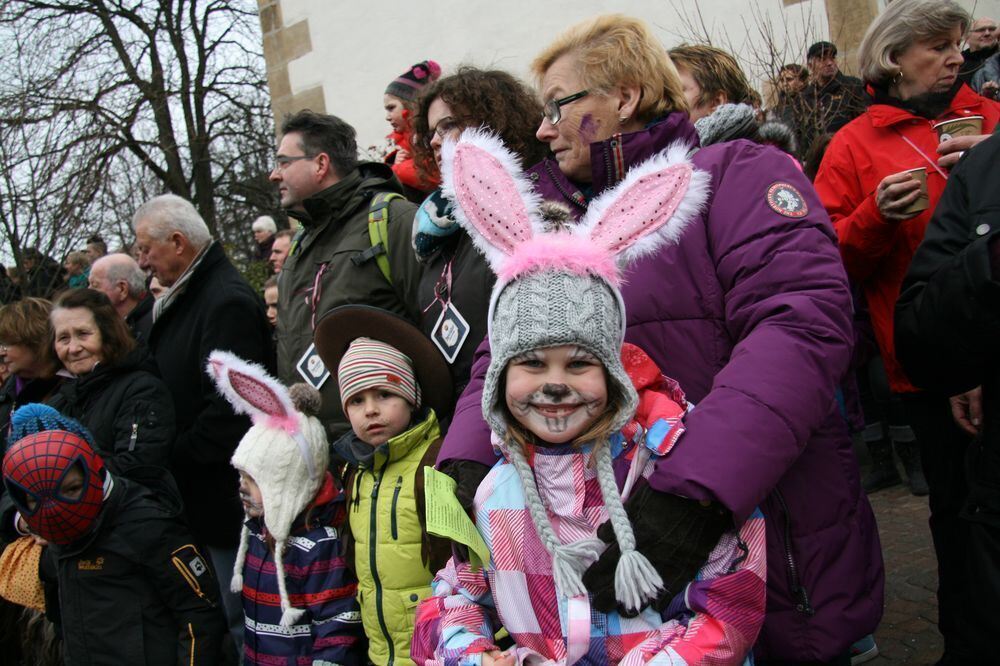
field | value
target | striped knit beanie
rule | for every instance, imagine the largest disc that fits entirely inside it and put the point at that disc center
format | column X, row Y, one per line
column 369, row 364
column 407, row 85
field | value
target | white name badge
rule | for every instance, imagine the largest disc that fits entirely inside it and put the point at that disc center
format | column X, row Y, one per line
column 450, row 332
column 311, row 367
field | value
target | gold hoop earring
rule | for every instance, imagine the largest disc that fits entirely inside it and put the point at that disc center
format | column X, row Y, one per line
column 622, row 119
column 899, row 77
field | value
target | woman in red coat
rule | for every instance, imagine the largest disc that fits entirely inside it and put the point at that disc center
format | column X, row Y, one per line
column 909, row 60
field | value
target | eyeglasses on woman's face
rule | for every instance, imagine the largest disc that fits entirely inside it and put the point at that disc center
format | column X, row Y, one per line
column 446, row 126
column 553, row 107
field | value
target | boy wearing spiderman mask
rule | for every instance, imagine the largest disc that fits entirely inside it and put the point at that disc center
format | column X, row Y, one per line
column 132, row 589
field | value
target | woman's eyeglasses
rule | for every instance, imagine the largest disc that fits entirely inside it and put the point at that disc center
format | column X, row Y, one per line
column 553, row 107
column 446, row 126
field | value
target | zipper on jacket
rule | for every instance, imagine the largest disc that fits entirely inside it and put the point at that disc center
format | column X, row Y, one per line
column 572, row 198
column 357, row 488
column 803, row 605
column 373, row 565
column 135, row 436
column 395, row 499
column 607, row 164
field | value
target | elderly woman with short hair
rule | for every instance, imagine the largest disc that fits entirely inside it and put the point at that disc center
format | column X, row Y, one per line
column 113, row 388
column 750, row 311
column 909, row 59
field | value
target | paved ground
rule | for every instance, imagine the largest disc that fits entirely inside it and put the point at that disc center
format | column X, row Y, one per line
column 908, row 633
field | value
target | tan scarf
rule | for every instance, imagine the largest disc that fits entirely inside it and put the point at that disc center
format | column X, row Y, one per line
column 178, row 287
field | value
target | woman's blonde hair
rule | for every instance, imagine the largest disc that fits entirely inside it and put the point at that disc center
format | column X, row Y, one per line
column 614, row 50
column 903, row 23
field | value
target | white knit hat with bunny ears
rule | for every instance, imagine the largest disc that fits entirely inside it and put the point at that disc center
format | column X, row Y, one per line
column 561, row 287
column 285, row 451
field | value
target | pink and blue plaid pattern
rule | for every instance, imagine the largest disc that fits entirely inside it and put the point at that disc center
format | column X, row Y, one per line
column 715, row 620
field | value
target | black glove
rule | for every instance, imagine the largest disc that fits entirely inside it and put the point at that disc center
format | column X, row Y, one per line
column 468, row 474
column 674, row 533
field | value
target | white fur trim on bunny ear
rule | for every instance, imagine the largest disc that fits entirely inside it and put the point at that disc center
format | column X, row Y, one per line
column 492, row 199
column 248, row 387
column 649, row 208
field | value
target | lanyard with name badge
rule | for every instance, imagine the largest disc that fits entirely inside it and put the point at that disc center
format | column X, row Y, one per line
column 451, row 329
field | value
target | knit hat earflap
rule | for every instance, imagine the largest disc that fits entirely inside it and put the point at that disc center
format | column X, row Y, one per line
column 407, row 85
column 370, row 364
column 285, row 451
column 562, row 287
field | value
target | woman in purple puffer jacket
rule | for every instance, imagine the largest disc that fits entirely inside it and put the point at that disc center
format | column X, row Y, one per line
column 751, row 312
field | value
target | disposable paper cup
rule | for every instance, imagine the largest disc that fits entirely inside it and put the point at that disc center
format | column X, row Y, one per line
column 923, row 202
column 967, row 126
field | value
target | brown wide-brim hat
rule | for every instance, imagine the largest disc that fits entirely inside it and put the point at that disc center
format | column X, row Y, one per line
column 341, row 326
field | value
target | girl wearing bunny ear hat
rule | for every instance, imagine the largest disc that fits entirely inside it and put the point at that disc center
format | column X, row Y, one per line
column 562, row 406
column 298, row 595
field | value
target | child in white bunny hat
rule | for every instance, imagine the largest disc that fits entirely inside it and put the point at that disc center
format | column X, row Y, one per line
column 298, row 594
column 576, row 438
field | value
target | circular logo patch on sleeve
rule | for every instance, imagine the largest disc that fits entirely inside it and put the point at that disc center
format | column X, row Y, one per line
column 785, row 200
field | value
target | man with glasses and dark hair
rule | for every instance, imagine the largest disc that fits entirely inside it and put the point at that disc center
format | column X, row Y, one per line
column 980, row 46
column 336, row 259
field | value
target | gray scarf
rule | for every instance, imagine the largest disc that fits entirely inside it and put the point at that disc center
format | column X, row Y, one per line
column 726, row 123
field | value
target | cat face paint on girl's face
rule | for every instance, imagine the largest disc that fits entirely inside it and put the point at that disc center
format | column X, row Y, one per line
column 557, row 392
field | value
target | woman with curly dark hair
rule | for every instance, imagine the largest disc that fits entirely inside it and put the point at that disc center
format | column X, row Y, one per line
column 455, row 287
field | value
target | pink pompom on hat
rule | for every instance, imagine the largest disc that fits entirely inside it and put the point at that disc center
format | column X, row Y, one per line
column 407, row 85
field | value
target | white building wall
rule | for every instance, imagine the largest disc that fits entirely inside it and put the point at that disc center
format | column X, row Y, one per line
column 359, row 47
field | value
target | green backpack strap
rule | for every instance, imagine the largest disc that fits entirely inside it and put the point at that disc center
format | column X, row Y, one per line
column 378, row 229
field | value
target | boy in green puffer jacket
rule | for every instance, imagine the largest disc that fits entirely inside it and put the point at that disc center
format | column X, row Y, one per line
column 382, row 364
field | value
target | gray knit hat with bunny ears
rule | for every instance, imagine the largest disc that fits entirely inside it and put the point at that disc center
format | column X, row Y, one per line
column 285, row 451
column 549, row 309
column 562, row 287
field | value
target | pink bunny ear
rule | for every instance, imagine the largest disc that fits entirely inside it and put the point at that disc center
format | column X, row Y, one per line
column 250, row 390
column 649, row 208
column 491, row 198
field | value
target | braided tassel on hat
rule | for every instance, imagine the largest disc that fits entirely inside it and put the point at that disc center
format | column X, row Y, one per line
column 289, row 615
column 636, row 580
column 569, row 561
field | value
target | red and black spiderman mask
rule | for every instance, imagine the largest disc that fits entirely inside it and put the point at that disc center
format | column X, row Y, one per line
column 57, row 483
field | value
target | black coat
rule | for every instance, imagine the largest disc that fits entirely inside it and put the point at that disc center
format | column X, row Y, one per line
column 217, row 310
column 825, row 109
column 140, row 320
column 948, row 313
column 35, row 390
column 127, row 408
column 135, row 591
column 472, row 282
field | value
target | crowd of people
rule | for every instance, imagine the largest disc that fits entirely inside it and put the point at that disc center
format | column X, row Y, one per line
column 576, row 375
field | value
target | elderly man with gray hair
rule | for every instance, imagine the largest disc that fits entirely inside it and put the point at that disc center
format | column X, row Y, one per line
column 207, row 306
column 121, row 279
